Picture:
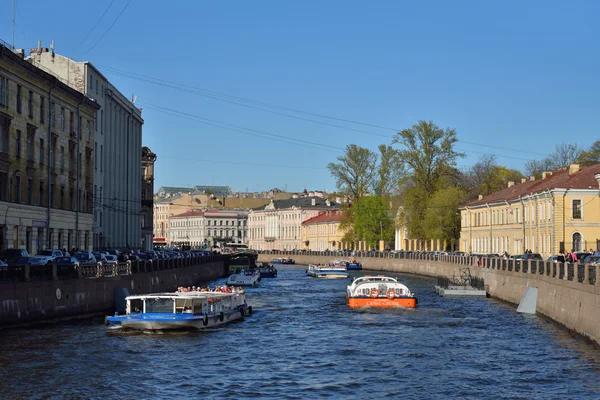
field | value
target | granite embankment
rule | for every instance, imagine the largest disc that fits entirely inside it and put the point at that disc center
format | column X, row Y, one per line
column 567, row 294
column 34, row 301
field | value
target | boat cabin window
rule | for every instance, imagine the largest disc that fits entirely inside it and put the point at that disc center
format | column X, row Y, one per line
column 136, row 306
column 198, row 306
column 399, row 292
column 183, row 306
column 159, row 305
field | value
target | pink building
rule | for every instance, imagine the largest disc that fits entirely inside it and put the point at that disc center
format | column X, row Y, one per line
column 278, row 225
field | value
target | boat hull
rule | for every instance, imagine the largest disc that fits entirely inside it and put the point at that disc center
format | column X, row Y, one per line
column 331, row 276
column 149, row 322
column 382, row 302
column 353, row 266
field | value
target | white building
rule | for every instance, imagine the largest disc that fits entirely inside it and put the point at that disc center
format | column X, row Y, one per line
column 117, row 145
column 278, row 225
column 207, row 227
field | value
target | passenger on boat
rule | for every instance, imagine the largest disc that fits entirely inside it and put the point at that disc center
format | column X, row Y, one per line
column 240, row 289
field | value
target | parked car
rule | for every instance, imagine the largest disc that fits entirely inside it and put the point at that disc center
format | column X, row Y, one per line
column 581, row 255
column 592, row 259
column 111, row 259
column 27, row 261
column 99, row 256
column 527, row 257
column 85, row 257
column 11, row 255
column 47, row 256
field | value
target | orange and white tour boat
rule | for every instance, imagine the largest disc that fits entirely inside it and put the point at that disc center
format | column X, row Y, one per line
column 379, row 291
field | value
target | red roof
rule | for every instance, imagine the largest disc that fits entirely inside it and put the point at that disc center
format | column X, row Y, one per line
column 582, row 179
column 325, row 216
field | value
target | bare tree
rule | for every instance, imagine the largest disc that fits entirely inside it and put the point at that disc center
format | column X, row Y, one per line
column 564, row 155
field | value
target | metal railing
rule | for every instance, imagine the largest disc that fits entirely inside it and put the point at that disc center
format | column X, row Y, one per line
column 52, row 271
column 563, row 271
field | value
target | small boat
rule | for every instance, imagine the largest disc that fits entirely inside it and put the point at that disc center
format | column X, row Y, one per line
column 283, row 261
column 379, row 291
column 353, row 265
column 181, row 310
column 329, row 271
column 267, row 271
column 244, row 277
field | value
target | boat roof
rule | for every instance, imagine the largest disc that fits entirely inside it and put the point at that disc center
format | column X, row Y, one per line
column 183, row 295
column 371, row 278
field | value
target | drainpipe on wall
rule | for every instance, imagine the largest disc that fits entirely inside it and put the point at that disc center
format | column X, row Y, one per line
column 78, row 167
column 565, row 220
column 127, row 184
column 50, row 194
column 522, row 224
column 490, row 218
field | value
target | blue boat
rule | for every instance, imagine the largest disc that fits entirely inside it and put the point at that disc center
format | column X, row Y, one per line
column 283, row 261
column 355, row 265
column 181, row 310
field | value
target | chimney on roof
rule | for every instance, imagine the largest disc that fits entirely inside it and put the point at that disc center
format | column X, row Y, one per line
column 313, row 202
column 532, row 178
column 480, row 197
column 511, row 184
column 523, row 180
column 573, row 168
column 597, row 177
column 546, row 174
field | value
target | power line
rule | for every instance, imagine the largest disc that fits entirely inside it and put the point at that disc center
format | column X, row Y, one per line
column 90, row 32
column 109, row 28
column 280, row 138
column 244, row 163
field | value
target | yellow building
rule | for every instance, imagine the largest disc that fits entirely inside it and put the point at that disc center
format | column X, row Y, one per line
column 323, row 232
column 559, row 211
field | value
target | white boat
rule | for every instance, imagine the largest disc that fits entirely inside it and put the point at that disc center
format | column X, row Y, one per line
column 181, row 310
column 379, row 291
column 329, row 271
column 244, row 278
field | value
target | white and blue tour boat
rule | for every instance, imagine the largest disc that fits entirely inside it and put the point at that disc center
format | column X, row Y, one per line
column 181, row 310
column 333, row 270
column 244, row 277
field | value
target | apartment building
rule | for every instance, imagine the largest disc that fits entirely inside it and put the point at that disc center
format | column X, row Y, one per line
column 199, row 228
column 323, row 232
column 47, row 157
column 559, row 211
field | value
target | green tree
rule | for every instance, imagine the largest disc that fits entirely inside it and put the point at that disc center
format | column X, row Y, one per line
column 428, row 152
column 389, row 172
column 372, row 220
column 590, row 156
column 442, row 217
column 355, row 172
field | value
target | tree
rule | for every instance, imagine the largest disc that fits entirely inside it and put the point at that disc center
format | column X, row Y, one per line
column 389, row 172
column 442, row 218
column 355, row 171
column 486, row 177
column 591, row 156
column 372, row 220
column 562, row 156
column 430, row 157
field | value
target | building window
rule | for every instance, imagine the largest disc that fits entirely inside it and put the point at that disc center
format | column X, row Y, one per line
column 71, row 199
column 53, row 114
column 19, row 100
column 101, row 157
column 71, row 122
column 41, row 151
column 18, row 144
column 62, row 118
column 17, row 189
column 3, row 92
column 62, row 197
column 96, row 158
column 29, row 190
column 96, row 121
column 62, row 159
column 3, row 185
column 52, row 195
column 90, row 83
column 30, row 146
column 88, row 130
column 101, row 121
column 577, row 241
column 30, row 104
column 41, row 199
column 577, row 209
column 42, row 110
column 52, row 152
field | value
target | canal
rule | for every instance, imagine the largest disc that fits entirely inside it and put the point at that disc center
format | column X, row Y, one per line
column 303, row 342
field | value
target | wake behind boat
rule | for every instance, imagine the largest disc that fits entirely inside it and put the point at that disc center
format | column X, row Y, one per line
column 329, row 271
column 379, row 291
column 181, row 310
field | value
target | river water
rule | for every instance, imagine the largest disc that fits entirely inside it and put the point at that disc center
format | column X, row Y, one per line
column 303, row 342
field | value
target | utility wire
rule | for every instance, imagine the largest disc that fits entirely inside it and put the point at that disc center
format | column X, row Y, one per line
column 109, row 28
column 90, row 32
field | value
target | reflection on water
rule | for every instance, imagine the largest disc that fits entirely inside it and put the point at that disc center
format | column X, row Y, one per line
column 304, row 342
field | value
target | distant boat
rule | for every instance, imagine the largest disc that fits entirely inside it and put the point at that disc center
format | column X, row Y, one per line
column 267, row 271
column 243, row 277
column 379, row 291
column 283, row 261
column 180, row 310
column 329, row 271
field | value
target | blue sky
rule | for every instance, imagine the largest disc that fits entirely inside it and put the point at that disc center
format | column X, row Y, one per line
column 515, row 78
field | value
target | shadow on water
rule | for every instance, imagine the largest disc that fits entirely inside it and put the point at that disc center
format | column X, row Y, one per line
column 302, row 341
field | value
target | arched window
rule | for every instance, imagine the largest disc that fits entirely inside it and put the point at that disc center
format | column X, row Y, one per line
column 577, row 241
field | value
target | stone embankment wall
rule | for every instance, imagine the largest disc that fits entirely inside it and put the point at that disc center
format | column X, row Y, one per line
column 562, row 297
column 23, row 303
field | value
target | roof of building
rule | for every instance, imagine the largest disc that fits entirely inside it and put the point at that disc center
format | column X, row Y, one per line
column 325, row 217
column 582, row 179
column 302, row 202
column 211, row 213
column 173, row 189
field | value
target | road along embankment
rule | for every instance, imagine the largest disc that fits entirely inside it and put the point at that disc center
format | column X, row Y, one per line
column 37, row 301
column 567, row 293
